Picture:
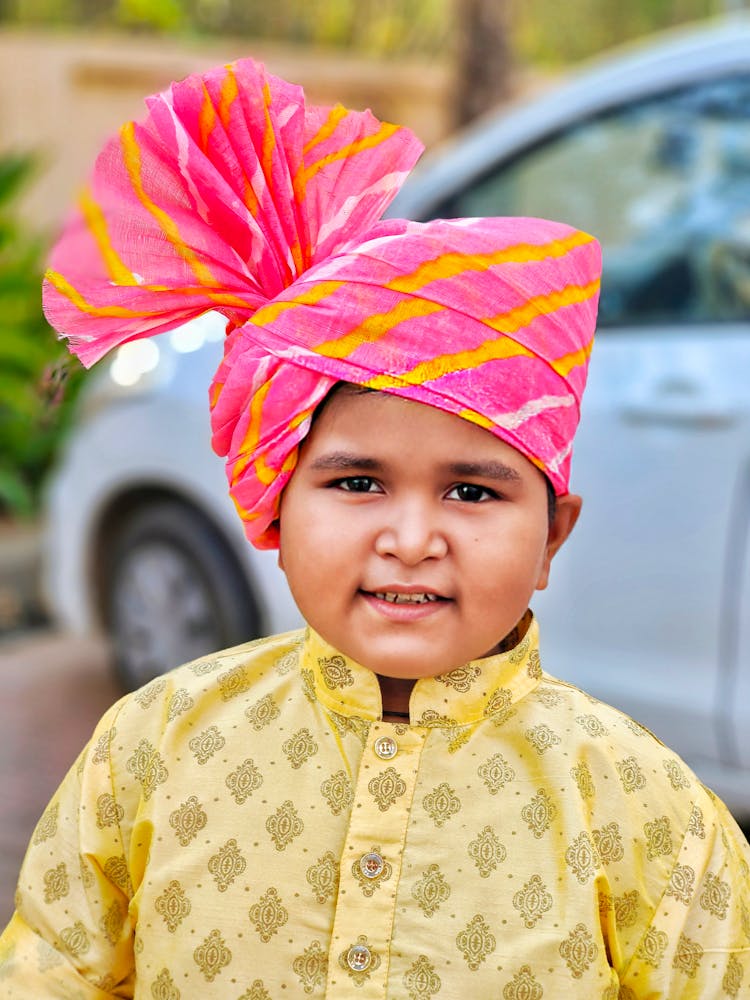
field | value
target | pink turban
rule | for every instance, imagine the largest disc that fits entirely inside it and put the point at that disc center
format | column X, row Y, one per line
column 234, row 195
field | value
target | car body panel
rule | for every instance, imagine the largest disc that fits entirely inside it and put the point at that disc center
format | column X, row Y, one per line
column 635, row 612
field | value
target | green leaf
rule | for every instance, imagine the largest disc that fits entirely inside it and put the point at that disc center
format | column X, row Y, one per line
column 15, row 170
column 36, row 397
column 15, row 496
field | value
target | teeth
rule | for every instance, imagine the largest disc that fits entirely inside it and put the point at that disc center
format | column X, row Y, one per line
column 405, row 598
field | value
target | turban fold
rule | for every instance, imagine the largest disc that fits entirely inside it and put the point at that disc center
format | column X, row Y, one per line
column 234, row 195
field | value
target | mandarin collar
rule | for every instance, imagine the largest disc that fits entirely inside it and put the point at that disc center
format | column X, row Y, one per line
column 484, row 688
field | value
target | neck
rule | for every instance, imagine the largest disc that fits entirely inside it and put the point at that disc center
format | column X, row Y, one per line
column 516, row 633
column 396, row 691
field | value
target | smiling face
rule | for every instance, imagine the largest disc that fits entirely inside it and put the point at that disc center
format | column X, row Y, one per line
column 412, row 540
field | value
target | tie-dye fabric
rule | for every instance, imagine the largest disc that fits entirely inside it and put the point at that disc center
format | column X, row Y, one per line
column 235, row 195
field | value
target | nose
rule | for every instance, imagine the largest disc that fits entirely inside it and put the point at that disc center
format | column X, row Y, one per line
column 411, row 534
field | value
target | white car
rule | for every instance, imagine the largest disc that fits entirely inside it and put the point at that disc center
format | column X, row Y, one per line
column 649, row 606
column 141, row 537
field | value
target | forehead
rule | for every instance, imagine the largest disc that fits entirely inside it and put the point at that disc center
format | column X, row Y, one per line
column 387, row 428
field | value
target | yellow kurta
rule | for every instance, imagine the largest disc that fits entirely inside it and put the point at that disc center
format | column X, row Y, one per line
column 246, row 828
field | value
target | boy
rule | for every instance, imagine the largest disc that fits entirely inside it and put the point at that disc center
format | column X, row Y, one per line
column 396, row 802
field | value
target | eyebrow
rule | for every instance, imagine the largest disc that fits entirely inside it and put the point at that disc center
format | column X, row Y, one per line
column 485, row 470
column 345, row 461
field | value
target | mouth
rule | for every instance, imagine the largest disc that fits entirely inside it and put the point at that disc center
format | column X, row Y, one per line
column 404, row 604
column 393, row 597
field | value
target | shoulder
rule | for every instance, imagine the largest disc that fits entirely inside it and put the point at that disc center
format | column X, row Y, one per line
column 591, row 722
column 227, row 673
column 647, row 816
column 213, row 688
column 228, row 669
column 147, row 746
column 623, row 769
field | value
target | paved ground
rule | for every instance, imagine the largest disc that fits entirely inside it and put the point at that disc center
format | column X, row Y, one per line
column 54, row 689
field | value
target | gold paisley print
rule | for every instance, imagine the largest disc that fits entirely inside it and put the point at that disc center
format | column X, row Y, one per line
column 249, row 828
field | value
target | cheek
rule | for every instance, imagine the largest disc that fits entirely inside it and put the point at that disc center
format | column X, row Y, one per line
column 515, row 554
column 313, row 544
column 304, row 576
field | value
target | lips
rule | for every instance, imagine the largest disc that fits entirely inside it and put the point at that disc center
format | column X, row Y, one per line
column 402, row 605
column 400, row 595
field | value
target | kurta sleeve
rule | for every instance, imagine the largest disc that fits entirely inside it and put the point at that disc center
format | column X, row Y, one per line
column 697, row 943
column 71, row 934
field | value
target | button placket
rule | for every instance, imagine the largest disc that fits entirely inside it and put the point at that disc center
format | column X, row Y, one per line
column 371, row 862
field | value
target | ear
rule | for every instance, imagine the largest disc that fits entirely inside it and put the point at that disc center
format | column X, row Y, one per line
column 567, row 509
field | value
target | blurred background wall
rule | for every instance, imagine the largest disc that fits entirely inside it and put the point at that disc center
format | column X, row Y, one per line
column 61, row 95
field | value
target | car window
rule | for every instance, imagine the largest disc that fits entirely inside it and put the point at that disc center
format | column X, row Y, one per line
column 664, row 184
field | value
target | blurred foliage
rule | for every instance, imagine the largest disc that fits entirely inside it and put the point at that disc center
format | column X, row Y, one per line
column 549, row 33
column 376, row 26
column 34, row 409
column 544, row 32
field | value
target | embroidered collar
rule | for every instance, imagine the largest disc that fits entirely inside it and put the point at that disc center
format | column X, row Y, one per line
column 486, row 688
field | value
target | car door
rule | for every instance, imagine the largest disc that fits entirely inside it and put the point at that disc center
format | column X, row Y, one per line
column 639, row 607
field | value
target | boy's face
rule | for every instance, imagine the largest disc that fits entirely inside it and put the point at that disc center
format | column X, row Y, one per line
column 395, row 498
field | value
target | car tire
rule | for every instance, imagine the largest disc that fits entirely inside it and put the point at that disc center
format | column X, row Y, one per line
column 173, row 591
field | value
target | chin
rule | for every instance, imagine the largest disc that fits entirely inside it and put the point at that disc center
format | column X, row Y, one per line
column 405, row 667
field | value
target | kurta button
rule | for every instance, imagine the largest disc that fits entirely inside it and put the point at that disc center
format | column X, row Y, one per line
column 358, row 957
column 371, row 865
column 386, row 747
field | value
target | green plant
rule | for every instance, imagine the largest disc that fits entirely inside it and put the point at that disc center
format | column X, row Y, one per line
column 34, row 368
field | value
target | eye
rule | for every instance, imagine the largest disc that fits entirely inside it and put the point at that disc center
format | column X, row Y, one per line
column 471, row 493
column 358, row 484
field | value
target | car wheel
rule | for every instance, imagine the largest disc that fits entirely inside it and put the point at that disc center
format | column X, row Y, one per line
column 174, row 591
